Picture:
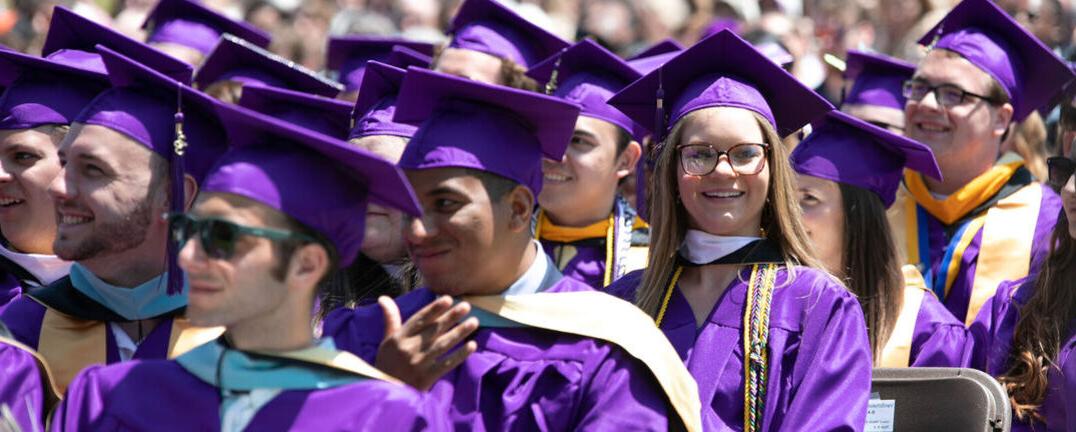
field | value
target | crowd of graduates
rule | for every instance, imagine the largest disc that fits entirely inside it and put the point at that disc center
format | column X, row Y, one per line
column 508, row 230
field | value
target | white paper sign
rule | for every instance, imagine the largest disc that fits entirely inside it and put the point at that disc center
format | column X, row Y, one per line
column 880, row 415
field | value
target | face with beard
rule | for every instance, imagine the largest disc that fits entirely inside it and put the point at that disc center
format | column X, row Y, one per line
column 107, row 194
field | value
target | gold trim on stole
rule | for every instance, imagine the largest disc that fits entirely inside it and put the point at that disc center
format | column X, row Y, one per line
column 897, row 352
column 1005, row 250
column 186, row 337
column 600, row 316
column 70, row 344
column 48, row 382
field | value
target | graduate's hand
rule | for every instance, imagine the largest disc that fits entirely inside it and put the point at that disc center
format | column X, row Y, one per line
column 417, row 352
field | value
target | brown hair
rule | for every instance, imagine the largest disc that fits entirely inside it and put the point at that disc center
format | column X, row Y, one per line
column 1043, row 322
column 512, row 74
column 1029, row 141
column 226, row 91
column 781, row 216
column 870, row 263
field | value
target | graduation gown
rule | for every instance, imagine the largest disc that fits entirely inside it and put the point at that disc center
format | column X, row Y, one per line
column 1004, row 237
column 25, row 386
column 16, row 280
column 819, row 373
column 993, row 331
column 925, row 334
column 583, row 253
column 524, row 378
column 71, row 330
column 163, row 395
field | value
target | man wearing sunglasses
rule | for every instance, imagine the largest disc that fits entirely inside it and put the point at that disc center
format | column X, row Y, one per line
column 256, row 248
column 120, row 172
column 987, row 220
column 547, row 352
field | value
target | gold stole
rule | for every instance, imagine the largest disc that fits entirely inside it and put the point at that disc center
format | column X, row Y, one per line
column 600, row 316
column 897, row 351
column 48, row 383
column 1005, row 250
column 70, row 344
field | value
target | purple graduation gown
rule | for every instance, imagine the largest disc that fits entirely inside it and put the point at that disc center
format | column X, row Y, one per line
column 586, row 262
column 939, row 339
column 21, row 387
column 24, row 317
column 160, row 395
column 819, row 374
column 959, row 297
column 526, row 379
column 993, row 331
column 10, row 289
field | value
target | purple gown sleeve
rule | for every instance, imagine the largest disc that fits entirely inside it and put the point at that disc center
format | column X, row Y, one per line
column 994, row 317
column 20, row 387
column 833, row 369
column 83, row 404
column 623, row 396
column 940, row 340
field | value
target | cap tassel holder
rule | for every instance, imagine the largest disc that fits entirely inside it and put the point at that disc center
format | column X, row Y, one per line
column 179, row 147
column 659, row 114
column 551, row 86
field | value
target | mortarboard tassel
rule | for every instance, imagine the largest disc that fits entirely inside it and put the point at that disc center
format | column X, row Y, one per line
column 179, row 146
column 659, row 114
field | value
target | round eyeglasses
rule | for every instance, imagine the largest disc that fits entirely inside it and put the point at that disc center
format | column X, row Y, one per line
column 702, row 159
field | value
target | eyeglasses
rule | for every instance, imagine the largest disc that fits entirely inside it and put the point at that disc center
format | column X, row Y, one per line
column 947, row 95
column 702, row 159
column 1061, row 169
column 218, row 236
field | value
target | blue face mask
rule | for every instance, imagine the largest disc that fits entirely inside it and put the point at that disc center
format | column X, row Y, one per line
column 147, row 300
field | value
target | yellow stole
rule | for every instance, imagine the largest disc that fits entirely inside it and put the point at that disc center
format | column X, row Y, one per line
column 1008, row 228
column 70, row 344
column 48, row 383
column 618, row 322
column 635, row 258
column 898, row 348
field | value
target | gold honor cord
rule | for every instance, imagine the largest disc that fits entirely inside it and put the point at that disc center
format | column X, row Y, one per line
column 607, row 278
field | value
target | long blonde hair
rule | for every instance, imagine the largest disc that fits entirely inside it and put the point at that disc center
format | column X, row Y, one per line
column 781, row 216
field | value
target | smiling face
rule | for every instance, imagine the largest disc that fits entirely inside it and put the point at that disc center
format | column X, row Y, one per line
column 28, row 164
column 583, row 185
column 228, row 291
column 109, row 196
column 723, row 202
column 383, row 242
column 468, row 240
column 965, row 137
column 823, row 216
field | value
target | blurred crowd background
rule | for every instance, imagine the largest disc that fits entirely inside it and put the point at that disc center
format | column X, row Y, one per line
column 809, row 29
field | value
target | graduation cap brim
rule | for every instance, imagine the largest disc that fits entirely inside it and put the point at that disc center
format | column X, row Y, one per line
column 13, row 64
column 857, row 62
column 385, row 183
column 68, row 30
column 583, row 57
column 341, row 49
column 233, row 53
column 380, row 79
column 333, row 114
column 1028, row 70
column 724, row 54
column 172, row 9
column 538, row 42
column 668, row 45
column 423, row 90
column 918, row 156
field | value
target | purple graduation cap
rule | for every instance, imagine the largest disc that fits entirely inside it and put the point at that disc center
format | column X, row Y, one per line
column 489, row 27
column 588, row 75
column 194, row 25
column 877, row 80
column 986, row 36
column 374, row 110
column 773, row 50
column 171, row 119
column 848, row 150
column 468, row 124
column 703, row 76
column 319, row 180
column 54, row 89
column 331, row 117
column 235, row 59
column 665, row 46
column 348, row 55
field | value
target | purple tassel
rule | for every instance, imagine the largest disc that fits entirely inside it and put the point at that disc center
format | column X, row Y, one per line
column 175, row 274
